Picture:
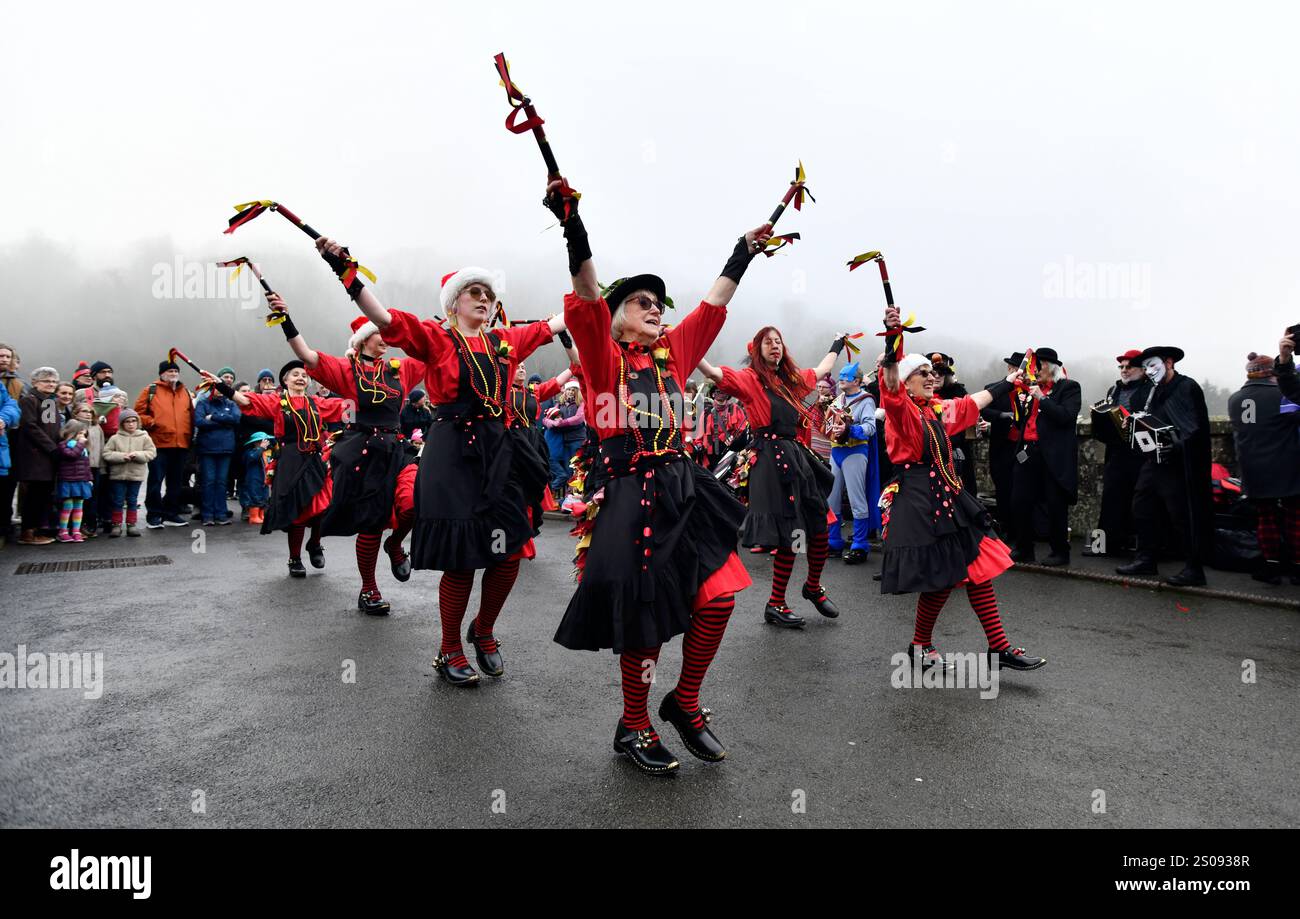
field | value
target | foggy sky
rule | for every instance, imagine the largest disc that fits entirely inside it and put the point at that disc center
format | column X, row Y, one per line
column 1090, row 178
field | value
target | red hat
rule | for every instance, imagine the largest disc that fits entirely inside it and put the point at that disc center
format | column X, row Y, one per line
column 83, row 370
column 358, row 323
column 362, row 328
column 454, row 283
column 1129, row 355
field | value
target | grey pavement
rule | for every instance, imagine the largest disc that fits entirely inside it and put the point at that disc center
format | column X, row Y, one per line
column 223, row 676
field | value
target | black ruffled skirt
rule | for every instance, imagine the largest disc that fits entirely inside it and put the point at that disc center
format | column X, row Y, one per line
column 628, row 599
column 470, row 503
column 364, row 465
column 532, row 469
column 297, row 484
column 788, row 485
column 934, row 535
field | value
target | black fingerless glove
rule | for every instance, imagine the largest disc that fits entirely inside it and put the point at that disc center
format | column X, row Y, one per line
column 999, row 389
column 837, row 346
column 741, row 256
column 290, row 330
column 340, row 267
column 554, row 202
column 565, row 338
column 575, row 235
column 224, row 388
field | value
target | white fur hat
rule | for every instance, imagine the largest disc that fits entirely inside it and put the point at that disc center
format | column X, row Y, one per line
column 909, row 365
column 454, row 283
column 362, row 328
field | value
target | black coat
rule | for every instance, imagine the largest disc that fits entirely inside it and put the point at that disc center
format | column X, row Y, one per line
column 1266, row 441
column 1058, row 434
column 34, row 445
column 413, row 417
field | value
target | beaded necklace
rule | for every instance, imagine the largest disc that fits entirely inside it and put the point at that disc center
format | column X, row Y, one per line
column 658, row 445
column 946, row 471
column 308, row 428
column 372, row 381
column 491, row 402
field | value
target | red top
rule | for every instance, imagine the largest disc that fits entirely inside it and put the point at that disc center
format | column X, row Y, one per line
column 588, row 323
column 335, row 373
column 427, row 341
column 904, row 429
column 267, row 405
column 745, row 385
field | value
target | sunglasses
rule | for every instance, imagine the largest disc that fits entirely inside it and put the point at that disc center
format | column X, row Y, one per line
column 477, row 293
column 646, row 303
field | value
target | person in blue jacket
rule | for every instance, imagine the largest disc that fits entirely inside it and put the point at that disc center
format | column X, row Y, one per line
column 9, row 415
column 851, row 425
column 216, row 419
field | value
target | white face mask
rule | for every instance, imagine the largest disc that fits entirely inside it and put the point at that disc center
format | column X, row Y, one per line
column 1154, row 367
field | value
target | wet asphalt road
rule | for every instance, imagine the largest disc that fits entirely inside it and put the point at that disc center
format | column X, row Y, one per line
column 223, row 676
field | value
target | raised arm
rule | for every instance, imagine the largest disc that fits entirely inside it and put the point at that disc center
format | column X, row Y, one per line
column 581, row 267
column 710, row 372
column 747, row 246
column 297, row 343
column 366, row 301
column 828, row 362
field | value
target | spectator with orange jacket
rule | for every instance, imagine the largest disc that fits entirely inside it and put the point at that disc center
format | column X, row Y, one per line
column 167, row 414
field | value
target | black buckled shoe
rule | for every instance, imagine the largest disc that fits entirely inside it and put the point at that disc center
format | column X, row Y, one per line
column 1024, row 557
column 455, row 674
column 296, row 569
column 645, row 750
column 1140, row 565
column 821, row 602
column 929, row 657
column 1016, row 659
column 370, row 603
column 1056, row 560
column 855, row 556
column 782, row 616
column 489, row 662
column 701, row 742
column 401, row 565
column 316, row 555
column 1190, row 576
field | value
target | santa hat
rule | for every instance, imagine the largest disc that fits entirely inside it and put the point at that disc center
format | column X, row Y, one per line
column 454, row 283
column 910, row 363
column 362, row 328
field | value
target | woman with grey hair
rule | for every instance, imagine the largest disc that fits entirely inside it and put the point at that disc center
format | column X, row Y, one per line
column 35, row 453
column 657, row 556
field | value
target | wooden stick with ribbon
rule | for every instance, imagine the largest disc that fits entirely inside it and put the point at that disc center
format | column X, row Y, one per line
column 277, row 316
column 520, row 103
column 250, row 210
column 893, row 338
column 176, row 354
column 795, row 194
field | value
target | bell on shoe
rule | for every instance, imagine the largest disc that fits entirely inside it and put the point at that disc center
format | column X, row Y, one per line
column 455, row 674
column 296, row 568
column 372, row 604
column 645, row 750
column 782, row 616
column 701, row 741
column 929, row 657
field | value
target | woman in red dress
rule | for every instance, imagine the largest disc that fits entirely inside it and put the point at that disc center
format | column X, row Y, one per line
column 476, row 480
column 937, row 535
column 367, row 457
column 300, row 484
column 788, row 483
column 659, row 558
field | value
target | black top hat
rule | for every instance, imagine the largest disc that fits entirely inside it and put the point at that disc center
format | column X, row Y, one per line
column 615, row 293
column 1162, row 352
column 1048, row 354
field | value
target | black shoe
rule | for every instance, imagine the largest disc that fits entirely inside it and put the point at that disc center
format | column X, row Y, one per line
column 855, row 556
column 1023, row 558
column 1016, row 659
column 646, row 751
column 782, row 616
column 401, row 566
column 316, row 555
column 821, row 602
column 489, row 662
column 878, row 576
column 370, row 603
column 1140, row 565
column 296, row 570
column 835, row 553
column 456, row 676
column 1190, row 576
column 699, row 741
column 177, row 521
column 1267, row 577
column 929, row 658
column 1056, row 560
